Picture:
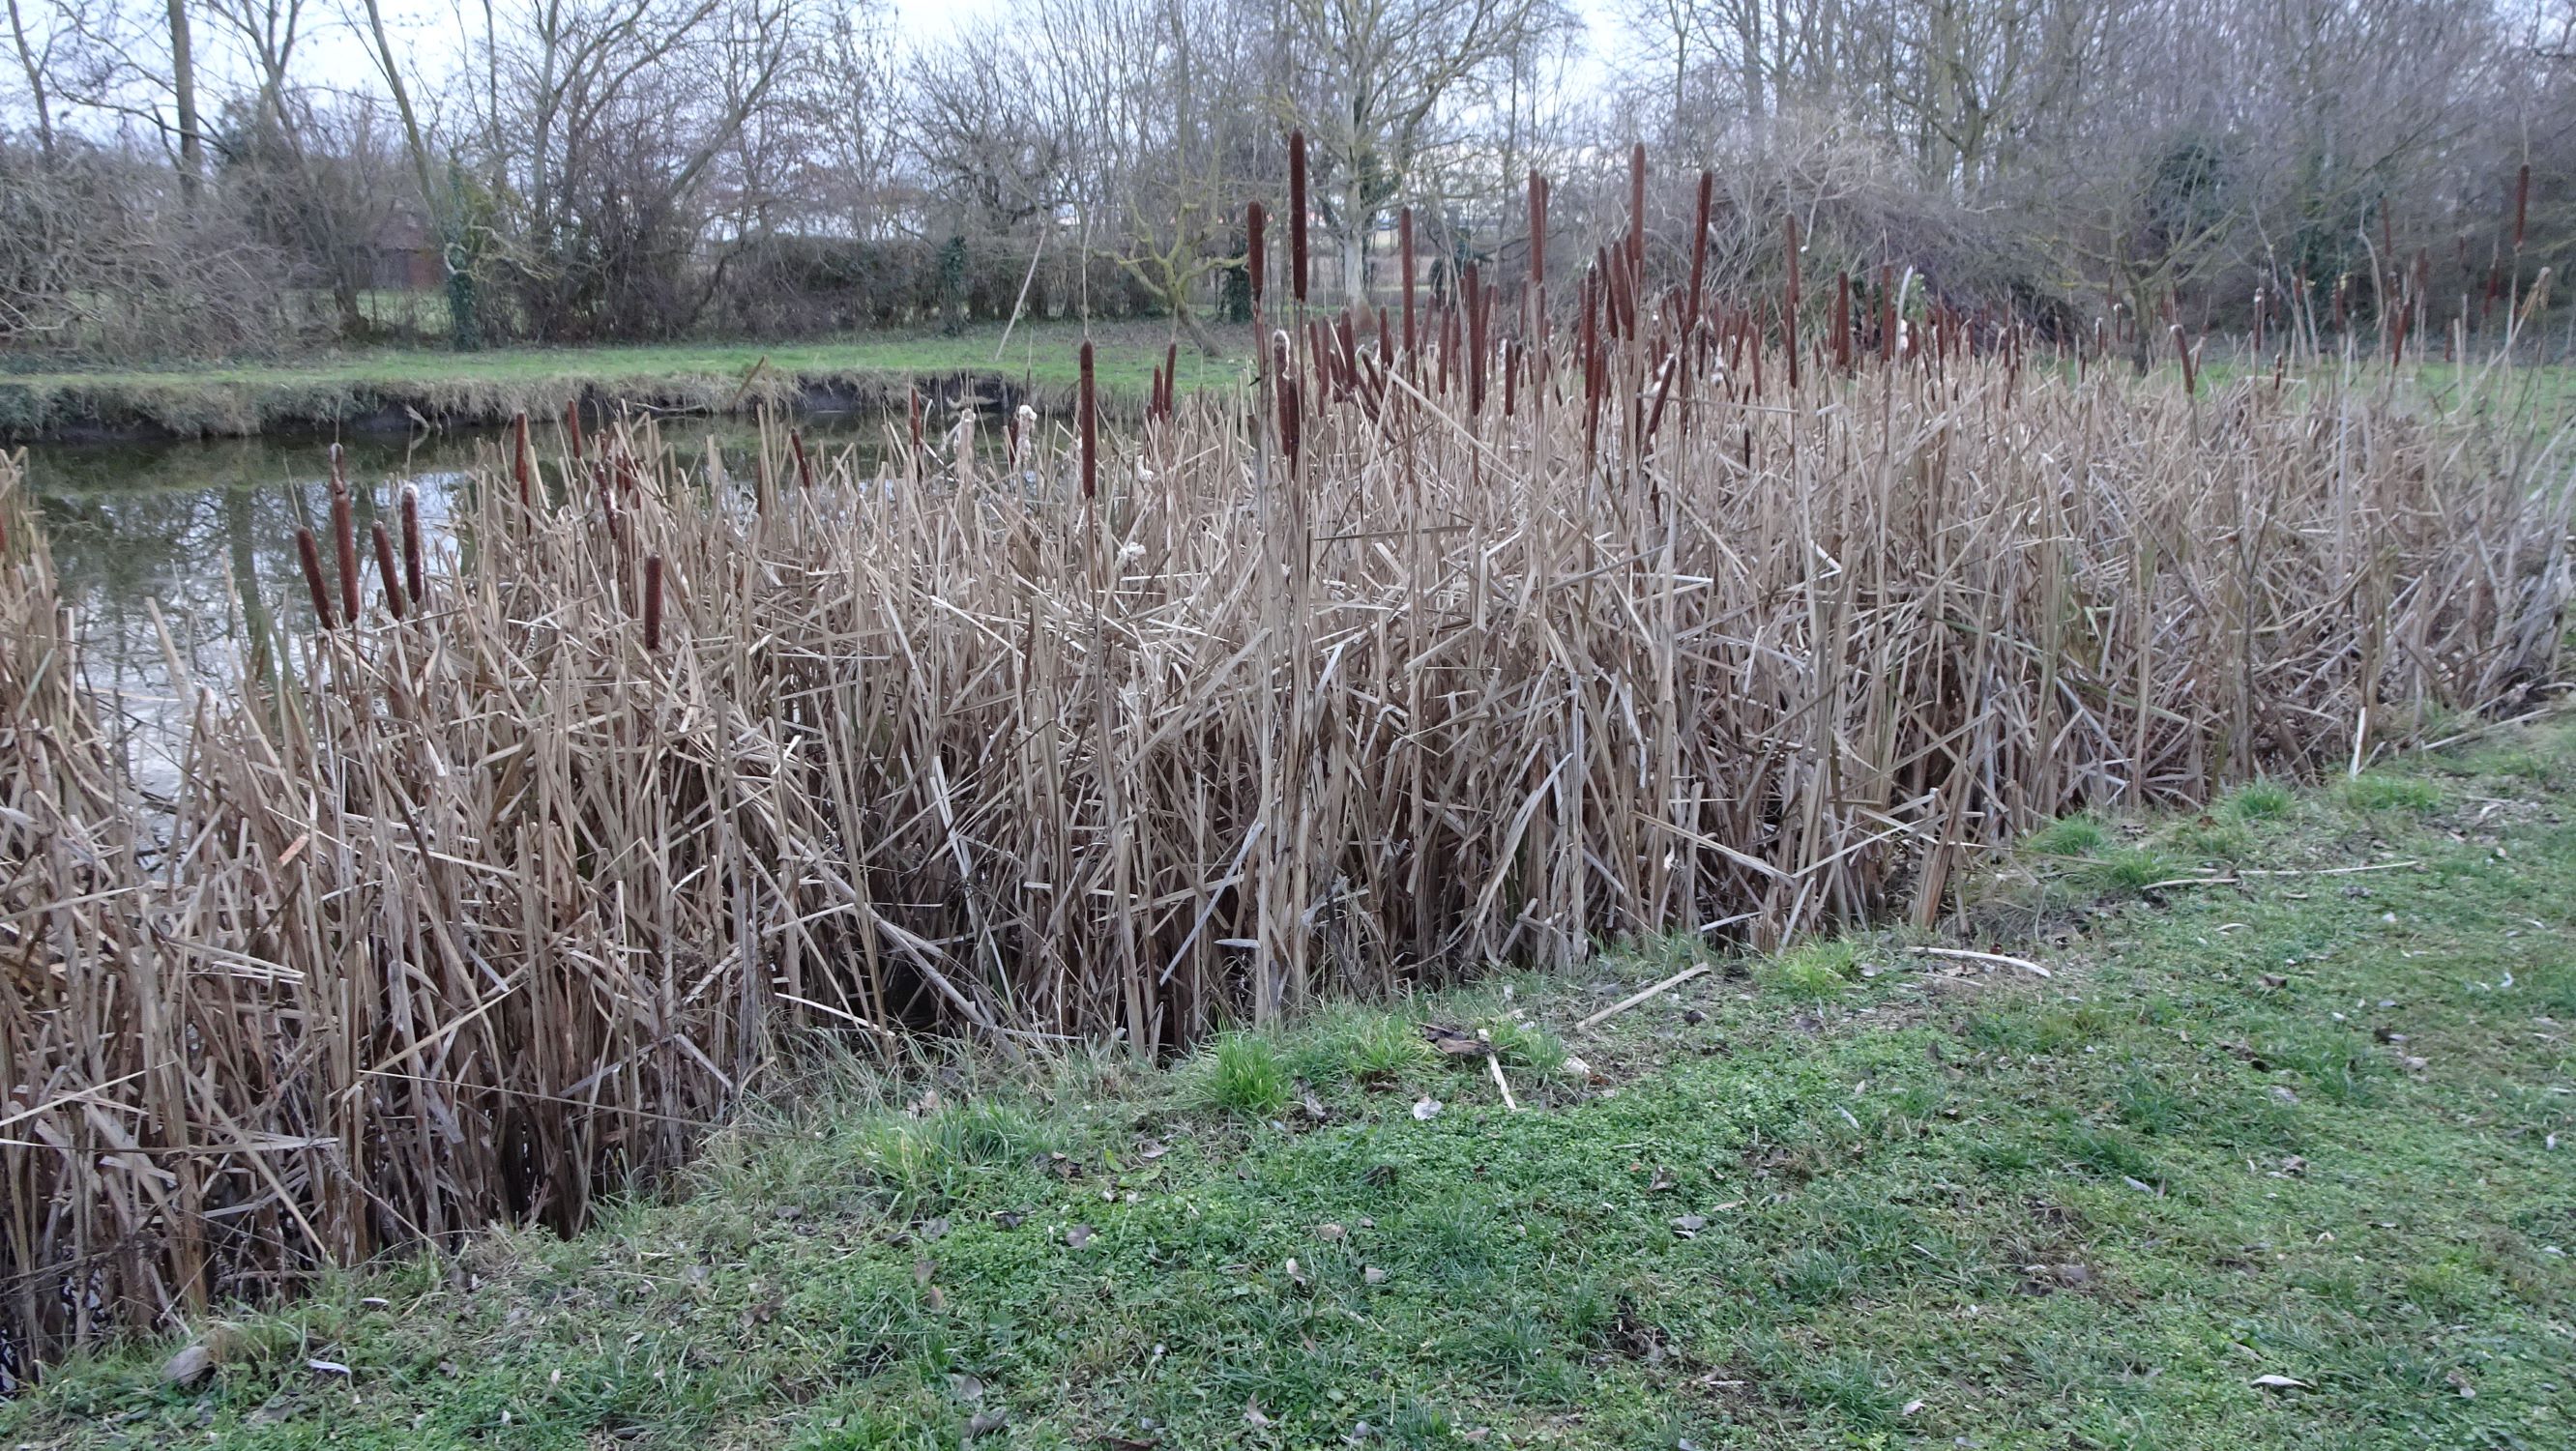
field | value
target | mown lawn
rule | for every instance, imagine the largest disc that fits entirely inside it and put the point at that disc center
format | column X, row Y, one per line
column 2267, row 1160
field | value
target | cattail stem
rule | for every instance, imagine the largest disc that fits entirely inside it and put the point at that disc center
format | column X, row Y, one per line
column 1404, row 244
column 1842, row 322
column 1699, row 244
column 523, row 461
column 1468, row 295
column 1256, row 255
column 310, row 554
column 1537, row 229
column 387, row 569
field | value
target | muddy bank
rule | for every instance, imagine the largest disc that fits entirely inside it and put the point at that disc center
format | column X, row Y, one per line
column 148, row 408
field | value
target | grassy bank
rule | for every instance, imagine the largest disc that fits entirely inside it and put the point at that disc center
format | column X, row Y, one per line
column 490, row 386
column 2279, row 1154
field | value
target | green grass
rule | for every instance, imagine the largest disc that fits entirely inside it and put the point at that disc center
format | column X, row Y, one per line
column 492, row 384
column 2320, row 1127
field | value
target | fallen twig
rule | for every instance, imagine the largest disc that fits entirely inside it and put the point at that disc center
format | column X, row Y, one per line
column 2241, row 874
column 1964, row 955
column 1624, row 1004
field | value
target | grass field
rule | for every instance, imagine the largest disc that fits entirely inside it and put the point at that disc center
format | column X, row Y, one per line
column 2281, row 1153
column 252, row 398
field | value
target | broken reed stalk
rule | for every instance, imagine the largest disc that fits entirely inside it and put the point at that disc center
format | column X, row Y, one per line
column 976, row 756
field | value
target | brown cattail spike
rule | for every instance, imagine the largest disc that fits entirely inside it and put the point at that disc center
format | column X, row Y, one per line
column 344, row 539
column 415, row 570
column 1256, row 253
column 1538, row 229
column 1297, row 216
column 1637, row 208
column 386, row 569
column 2521, row 203
column 310, row 554
column 1789, row 309
column 1089, row 417
column 652, row 602
column 1842, row 322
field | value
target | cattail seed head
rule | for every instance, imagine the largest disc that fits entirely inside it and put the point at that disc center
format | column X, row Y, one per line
column 652, row 602
column 344, row 539
column 1089, row 418
column 1637, row 207
column 1537, row 229
column 309, row 554
column 2521, row 203
column 415, row 569
column 1256, row 251
column 386, row 569
column 1297, row 216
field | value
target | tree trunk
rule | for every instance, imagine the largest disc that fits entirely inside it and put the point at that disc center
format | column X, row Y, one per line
column 1355, row 229
column 37, row 96
column 183, row 88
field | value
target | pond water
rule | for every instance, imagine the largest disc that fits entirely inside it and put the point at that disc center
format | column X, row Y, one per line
column 205, row 533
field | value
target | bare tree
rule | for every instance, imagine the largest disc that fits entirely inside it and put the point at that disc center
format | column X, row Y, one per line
column 1374, row 82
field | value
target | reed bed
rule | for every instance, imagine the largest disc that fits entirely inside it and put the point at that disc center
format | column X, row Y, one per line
column 1399, row 662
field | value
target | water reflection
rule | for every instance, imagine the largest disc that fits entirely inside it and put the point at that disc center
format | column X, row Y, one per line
column 206, row 532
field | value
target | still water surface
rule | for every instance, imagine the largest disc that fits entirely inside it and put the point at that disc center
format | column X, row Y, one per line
column 205, row 531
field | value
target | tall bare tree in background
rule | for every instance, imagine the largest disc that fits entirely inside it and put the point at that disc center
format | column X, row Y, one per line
column 1380, row 83
column 191, row 178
